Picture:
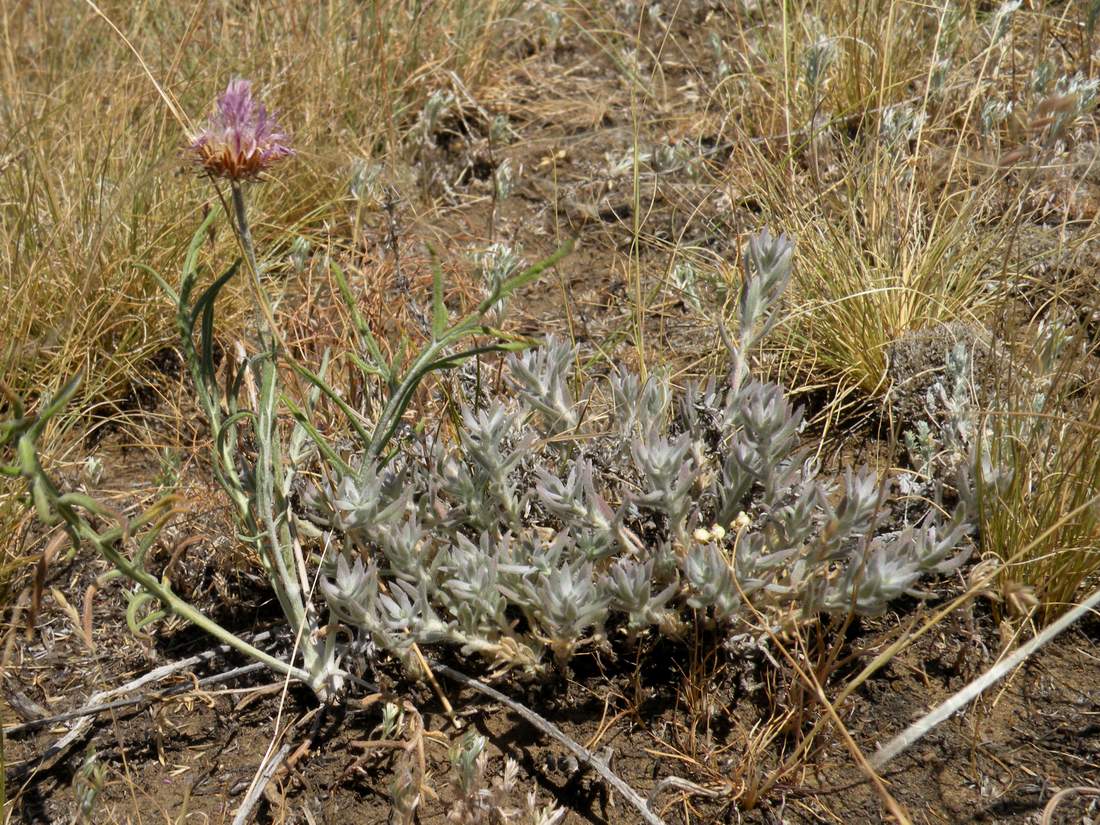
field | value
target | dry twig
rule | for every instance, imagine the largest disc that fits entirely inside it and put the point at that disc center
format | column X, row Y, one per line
column 578, row 750
column 244, row 813
column 928, row 722
column 62, row 746
column 156, row 696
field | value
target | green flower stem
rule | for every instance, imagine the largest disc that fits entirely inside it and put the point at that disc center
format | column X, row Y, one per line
column 64, row 508
column 283, row 571
column 185, row 611
column 265, row 320
column 270, row 528
column 275, row 554
column 429, row 359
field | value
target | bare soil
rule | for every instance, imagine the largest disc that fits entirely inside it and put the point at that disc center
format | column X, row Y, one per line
column 662, row 709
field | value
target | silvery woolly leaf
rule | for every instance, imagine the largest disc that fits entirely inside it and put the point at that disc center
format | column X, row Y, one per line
column 629, row 584
column 575, row 501
column 350, row 589
column 708, row 574
column 362, row 502
column 542, row 378
column 569, row 602
column 641, row 408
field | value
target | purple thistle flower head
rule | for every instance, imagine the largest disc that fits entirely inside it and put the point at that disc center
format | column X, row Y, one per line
column 241, row 139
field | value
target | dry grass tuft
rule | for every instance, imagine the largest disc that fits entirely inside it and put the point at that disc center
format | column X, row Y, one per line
column 1041, row 515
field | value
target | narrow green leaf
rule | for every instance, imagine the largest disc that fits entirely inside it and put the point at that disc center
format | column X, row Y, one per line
column 56, row 404
column 530, row 274
column 300, row 433
column 439, row 309
column 15, row 402
column 137, row 601
column 400, row 357
column 366, row 367
column 234, row 380
column 211, row 293
column 350, row 414
column 163, row 284
column 186, row 317
column 151, row 618
column 40, row 495
column 87, row 502
column 510, row 342
column 362, row 328
column 457, row 359
column 228, row 429
column 190, row 261
column 430, row 358
column 322, row 443
column 205, row 304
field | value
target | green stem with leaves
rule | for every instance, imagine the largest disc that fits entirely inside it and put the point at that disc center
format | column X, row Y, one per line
column 54, row 507
column 267, row 335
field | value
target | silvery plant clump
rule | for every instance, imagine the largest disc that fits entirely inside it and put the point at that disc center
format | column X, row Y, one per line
column 972, row 442
column 941, row 445
column 567, row 509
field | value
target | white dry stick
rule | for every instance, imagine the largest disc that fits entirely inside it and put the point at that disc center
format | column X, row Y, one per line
column 263, row 778
column 62, row 746
column 94, row 710
column 1060, row 797
column 682, row 785
column 578, row 750
column 926, row 723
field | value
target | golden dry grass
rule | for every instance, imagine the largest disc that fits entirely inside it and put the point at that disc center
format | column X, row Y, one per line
column 93, row 182
column 894, row 169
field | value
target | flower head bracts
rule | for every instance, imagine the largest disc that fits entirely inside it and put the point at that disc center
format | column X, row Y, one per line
column 241, row 139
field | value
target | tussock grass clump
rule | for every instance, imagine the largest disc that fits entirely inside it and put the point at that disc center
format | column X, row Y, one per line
column 1039, row 492
column 894, row 143
column 1050, row 507
column 1023, row 441
column 876, row 263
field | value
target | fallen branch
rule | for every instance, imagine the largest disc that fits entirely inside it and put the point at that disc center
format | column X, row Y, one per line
column 155, row 696
column 578, row 750
column 62, row 746
column 260, row 784
column 676, row 783
column 926, row 723
column 1061, row 796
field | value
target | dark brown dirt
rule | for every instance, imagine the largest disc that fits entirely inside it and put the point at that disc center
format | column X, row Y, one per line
column 195, row 754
